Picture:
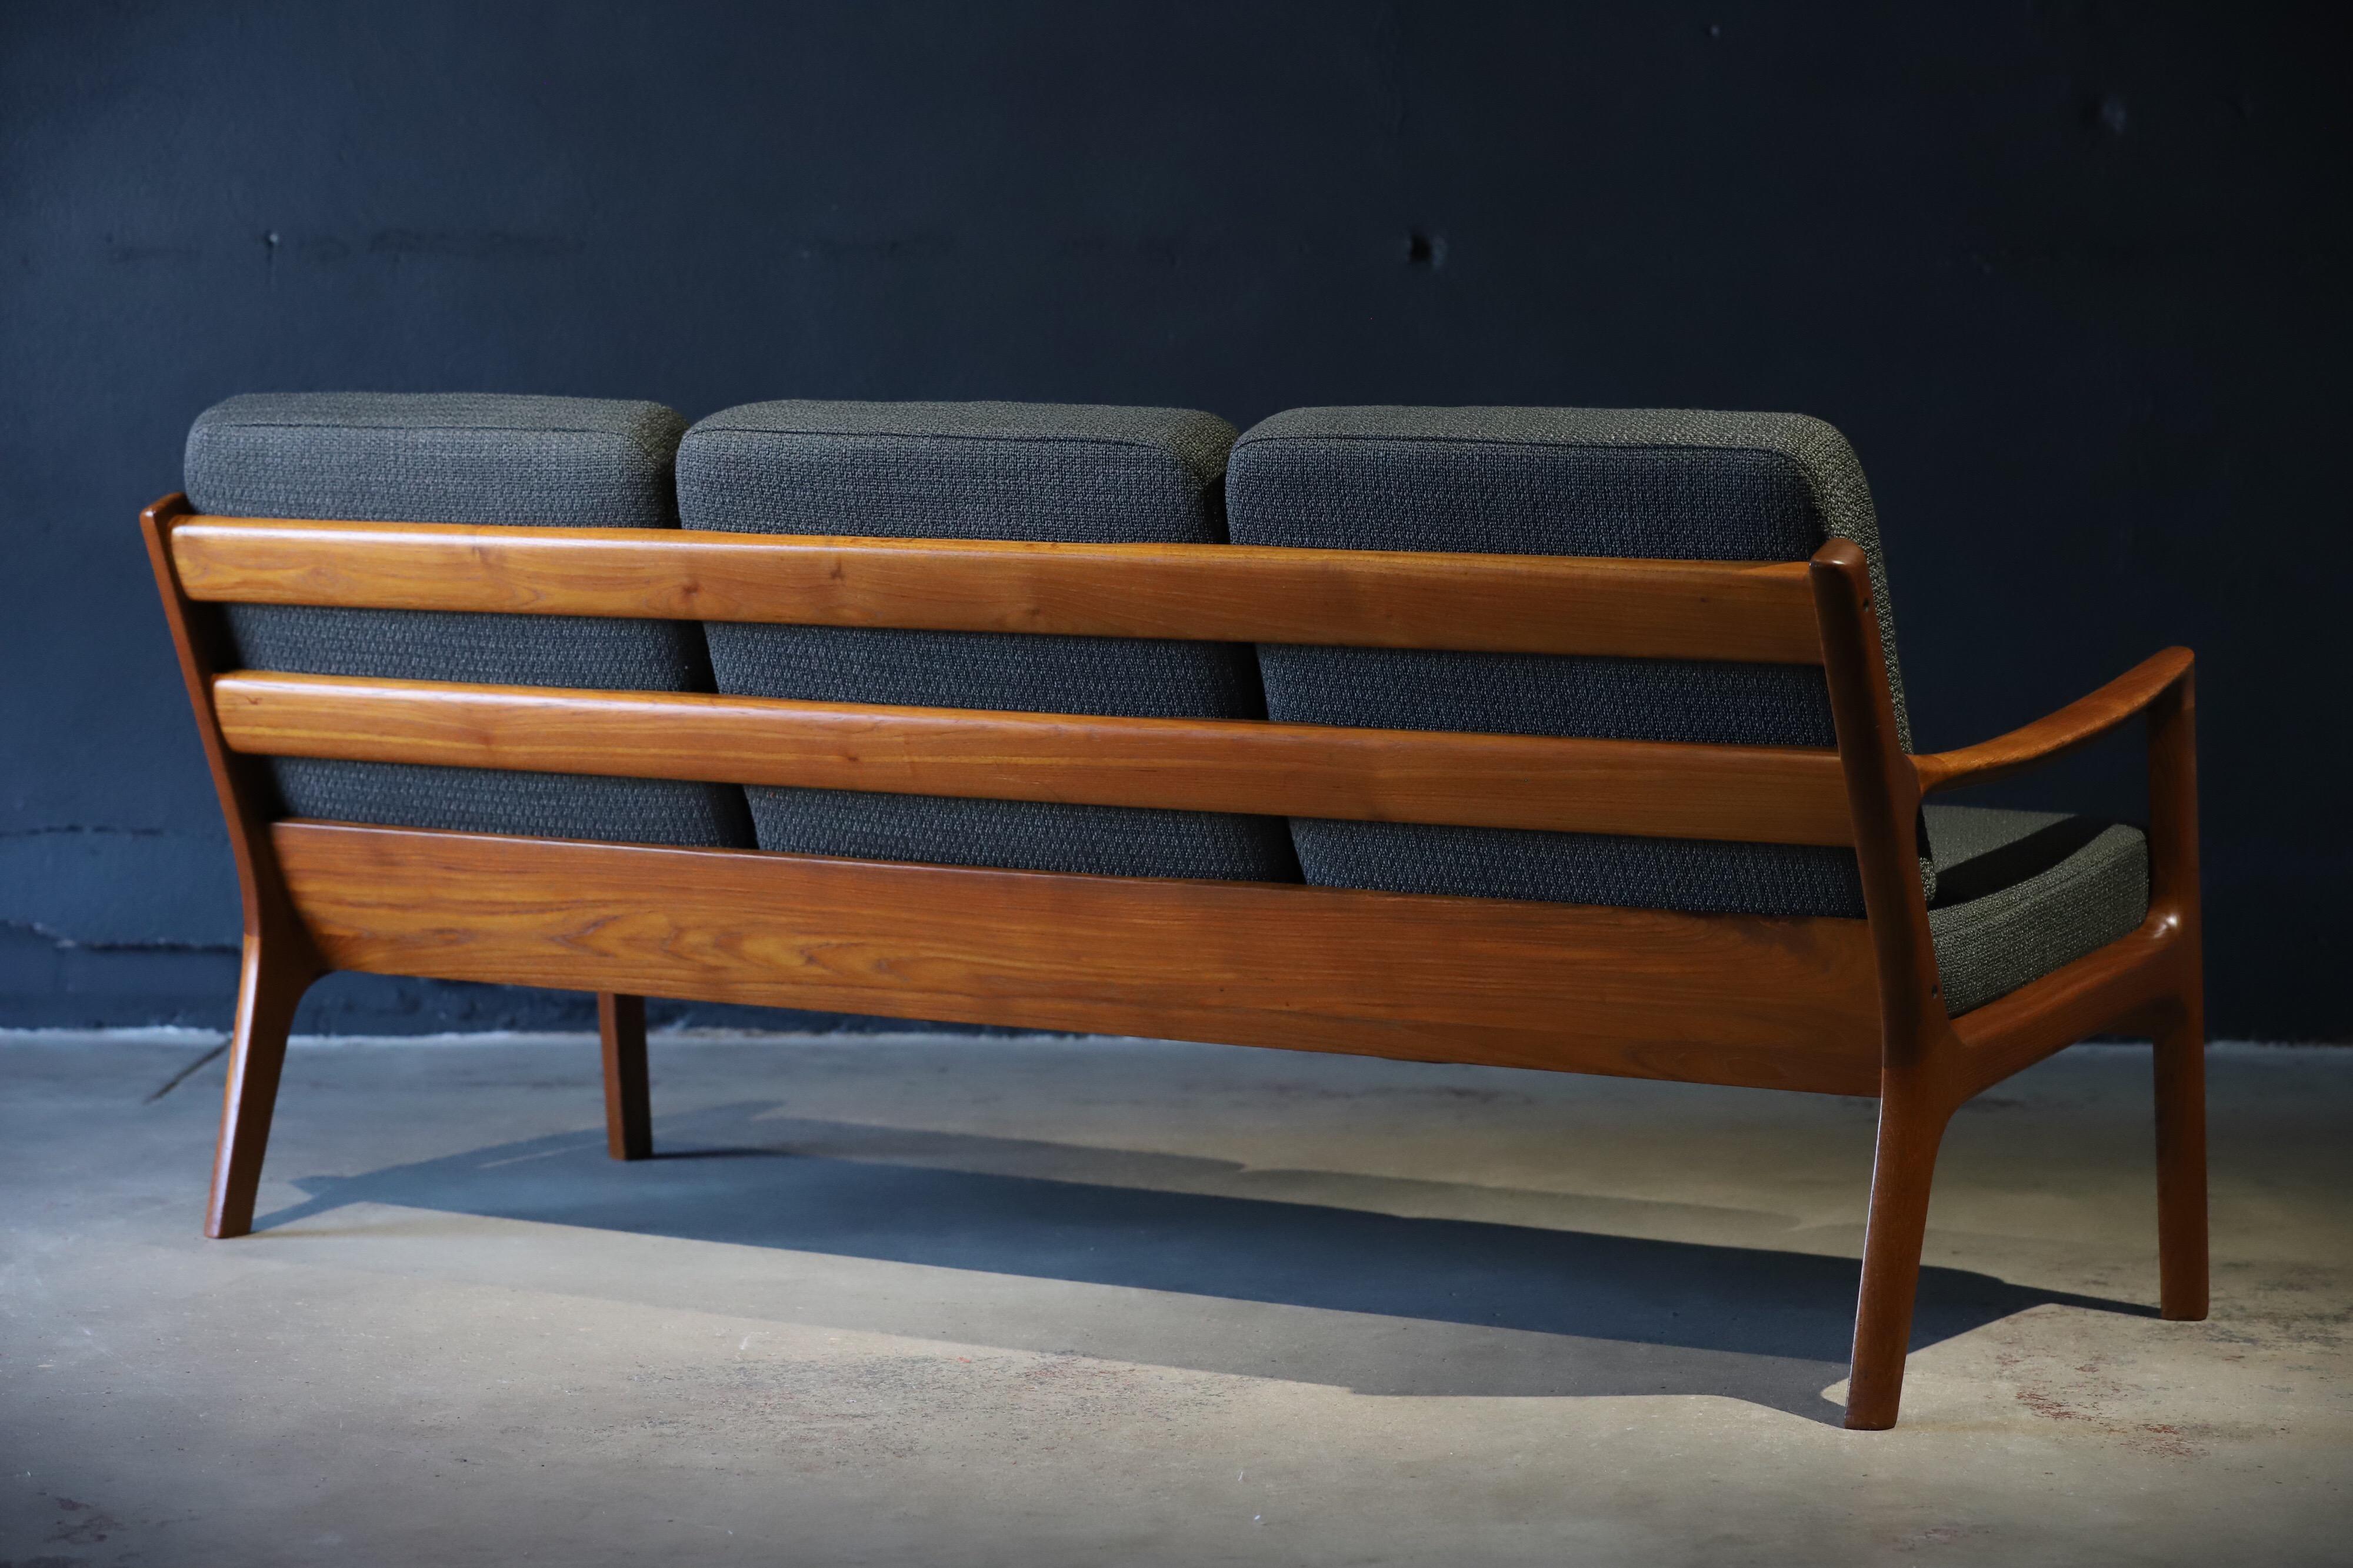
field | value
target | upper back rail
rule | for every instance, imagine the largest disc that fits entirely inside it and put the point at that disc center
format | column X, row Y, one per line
column 1757, row 612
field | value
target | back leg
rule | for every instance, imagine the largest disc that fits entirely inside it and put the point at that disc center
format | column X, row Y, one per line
column 271, row 988
column 628, row 1101
column 1910, row 1133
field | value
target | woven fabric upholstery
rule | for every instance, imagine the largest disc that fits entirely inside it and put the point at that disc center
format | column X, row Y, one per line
column 2020, row 893
column 538, row 806
column 582, row 462
column 1047, row 471
column 1029, row 836
column 469, row 458
column 1560, row 481
column 981, row 470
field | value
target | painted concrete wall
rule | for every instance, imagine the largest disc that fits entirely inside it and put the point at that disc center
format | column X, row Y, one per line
column 2071, row 277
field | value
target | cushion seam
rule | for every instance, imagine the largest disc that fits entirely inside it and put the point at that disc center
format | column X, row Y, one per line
column 946, row 436
column 1531, row 445
column 204, row 430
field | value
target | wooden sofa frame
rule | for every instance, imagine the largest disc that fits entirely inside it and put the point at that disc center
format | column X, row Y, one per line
column 1830, row 1005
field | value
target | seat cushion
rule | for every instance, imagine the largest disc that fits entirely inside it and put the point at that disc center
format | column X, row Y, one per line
column 466, row 458
column 2020, row 893
column 1560, row 481
column 981, row 470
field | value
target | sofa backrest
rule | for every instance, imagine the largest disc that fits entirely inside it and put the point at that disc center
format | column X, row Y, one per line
column 464, row 458
column 1560, row 481
column 981, row 470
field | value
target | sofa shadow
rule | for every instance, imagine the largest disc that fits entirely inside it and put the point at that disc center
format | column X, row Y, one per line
column 1619, row 1315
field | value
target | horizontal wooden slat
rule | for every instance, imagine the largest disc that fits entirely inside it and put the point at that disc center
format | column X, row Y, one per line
column 1757, row 612
column 1773, row 794
column 2096, row 992
column 1785, row 1003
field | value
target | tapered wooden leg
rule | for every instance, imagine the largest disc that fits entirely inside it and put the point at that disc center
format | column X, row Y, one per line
column 2181, row 1163
column 2181, row 1041
column 1910, row 1130
column 629, row 1105
column 267, row 997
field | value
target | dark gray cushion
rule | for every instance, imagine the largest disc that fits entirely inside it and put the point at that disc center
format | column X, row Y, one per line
column 981, row 470
column 470, row 459
column 2020, row 893
column 1560, row 481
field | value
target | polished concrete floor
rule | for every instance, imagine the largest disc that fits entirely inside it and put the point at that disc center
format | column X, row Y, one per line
column 939, row 1300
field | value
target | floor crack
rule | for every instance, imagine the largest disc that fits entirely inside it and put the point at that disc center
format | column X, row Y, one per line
column 181, row 1077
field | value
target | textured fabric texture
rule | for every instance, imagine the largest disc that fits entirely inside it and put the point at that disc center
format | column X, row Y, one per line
column 538, row 806
column 1691, row 874
column 1029, row 836
column 2020, row 893
column 469, row 458
column 582, row 462
column 981, row 470
column 1045, row 471
column 1670, row 484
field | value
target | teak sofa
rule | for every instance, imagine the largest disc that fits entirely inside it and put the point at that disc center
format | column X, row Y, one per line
column 1562, row 739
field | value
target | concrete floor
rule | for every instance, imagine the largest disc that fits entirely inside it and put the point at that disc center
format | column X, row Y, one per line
column 941, row 1300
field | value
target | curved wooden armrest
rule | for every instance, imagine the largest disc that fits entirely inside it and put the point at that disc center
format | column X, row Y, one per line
column 2080, row 722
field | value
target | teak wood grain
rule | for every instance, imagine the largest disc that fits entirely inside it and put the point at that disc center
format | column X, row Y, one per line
column 1931, row 1063
column 1916, row 1051
column 1788, row 1003
column 277, row 963
column 628, row 1105
column 1754, row 611
column 2180, row 1054
column 2099, row 990
column 1784, row 794
column 2078, row 724
column 1833, row 1005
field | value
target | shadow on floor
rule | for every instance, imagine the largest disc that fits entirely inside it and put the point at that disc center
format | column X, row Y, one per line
column 1623, row 1315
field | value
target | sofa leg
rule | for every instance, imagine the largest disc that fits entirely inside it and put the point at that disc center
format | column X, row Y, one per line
column 268, row 992
column 629, row 1105
column 2181, row 1163
column 1910, row 1130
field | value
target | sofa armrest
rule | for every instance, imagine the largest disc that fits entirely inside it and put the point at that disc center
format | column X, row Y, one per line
column 2080, row 722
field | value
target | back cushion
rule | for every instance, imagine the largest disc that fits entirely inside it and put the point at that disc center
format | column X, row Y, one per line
column 981, row 470
column 573, row 462
column 1559, row 482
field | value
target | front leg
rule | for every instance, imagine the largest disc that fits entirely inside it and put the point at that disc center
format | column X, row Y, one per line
column 2181, row 1161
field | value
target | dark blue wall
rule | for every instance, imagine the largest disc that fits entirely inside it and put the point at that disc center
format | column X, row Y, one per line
column 2071, row 277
